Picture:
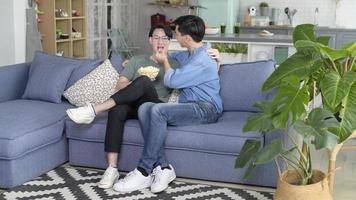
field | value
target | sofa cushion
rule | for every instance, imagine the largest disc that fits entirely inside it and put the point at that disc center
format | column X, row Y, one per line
column 21, row 122
column 48, row 77
column 95, row 87
column 86, row 66
column 225, row 136
column 241, row 84
column 116, row 61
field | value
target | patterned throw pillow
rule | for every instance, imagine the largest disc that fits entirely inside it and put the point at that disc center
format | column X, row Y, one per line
column 95, row 87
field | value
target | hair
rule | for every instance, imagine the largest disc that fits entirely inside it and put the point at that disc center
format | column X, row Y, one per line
column 167, row 30
column 191, row 25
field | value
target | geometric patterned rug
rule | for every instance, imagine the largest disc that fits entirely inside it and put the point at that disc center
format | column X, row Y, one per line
column 69, row 183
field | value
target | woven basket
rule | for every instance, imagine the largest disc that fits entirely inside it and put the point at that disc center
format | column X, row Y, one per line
column 288, row 190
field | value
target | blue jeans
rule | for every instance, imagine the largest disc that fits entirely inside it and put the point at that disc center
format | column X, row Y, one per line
column 154, row 119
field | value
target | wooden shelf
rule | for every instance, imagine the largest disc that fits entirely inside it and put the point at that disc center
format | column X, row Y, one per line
column 80, row 17
column 78, row 39
column 62, row 18
column 63, row 40
column 71, row 47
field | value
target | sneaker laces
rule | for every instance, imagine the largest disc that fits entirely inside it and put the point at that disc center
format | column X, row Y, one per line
column 128, row 176
column 155, row 173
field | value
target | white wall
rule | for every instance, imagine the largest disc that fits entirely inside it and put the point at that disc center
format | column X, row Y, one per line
column 306, row 8
column 7, row 47
column 13, row 31
column 20, row 30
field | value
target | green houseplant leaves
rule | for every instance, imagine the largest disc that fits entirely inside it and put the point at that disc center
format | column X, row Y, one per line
column 314, row 70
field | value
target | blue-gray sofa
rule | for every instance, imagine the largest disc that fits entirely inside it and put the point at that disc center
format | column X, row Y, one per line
column 36, row 136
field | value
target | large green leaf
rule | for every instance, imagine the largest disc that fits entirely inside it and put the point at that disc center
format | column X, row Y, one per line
column 249, row 170
column 333, row 54
column 261, row 121
column 290, row 101
column 298, row 64
column 324, row 40
column 247, row 152
column 326, row 52
column 351, row 47
column 317, row 126
column 334, row 88
column 326, row 140
column 270, row 152
column 348, row 113
column 304, row 32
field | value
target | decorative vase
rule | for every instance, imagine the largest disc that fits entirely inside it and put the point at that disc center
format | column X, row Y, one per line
column 288, row 188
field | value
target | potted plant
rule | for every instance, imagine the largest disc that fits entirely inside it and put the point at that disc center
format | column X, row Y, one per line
column 231, row 53
column 264, row 9
column 314, row 72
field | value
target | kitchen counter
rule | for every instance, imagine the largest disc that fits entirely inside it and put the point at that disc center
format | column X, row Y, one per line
column 248, row 38
column 321, row 28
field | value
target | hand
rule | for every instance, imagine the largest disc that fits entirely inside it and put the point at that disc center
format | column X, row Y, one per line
column 161, row 57
column 124, row 64
column 214, row 54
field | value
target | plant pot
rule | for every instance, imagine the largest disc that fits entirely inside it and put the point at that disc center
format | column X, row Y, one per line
column 264, row 11
column 288, row 190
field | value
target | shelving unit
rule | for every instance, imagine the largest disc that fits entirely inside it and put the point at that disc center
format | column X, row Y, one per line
column 52, row 20
column 192, row 9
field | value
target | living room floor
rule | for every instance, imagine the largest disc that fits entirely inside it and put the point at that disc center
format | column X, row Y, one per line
column 345, row 181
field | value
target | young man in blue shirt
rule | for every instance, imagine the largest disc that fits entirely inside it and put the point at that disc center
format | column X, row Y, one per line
column 199, row 103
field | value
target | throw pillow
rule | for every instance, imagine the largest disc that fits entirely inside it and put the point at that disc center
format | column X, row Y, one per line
column 48, row 77
column 85, row 68
column 95, row 87
column 241, row 84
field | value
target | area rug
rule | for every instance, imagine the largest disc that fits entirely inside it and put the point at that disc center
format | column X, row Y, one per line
column 76, row 183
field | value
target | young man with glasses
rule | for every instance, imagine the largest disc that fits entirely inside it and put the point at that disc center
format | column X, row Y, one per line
column 199, row 103
column 132, row 91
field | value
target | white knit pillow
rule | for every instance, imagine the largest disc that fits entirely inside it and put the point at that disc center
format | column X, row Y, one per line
column 95, row 87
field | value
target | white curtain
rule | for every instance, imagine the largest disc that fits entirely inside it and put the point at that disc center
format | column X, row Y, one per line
column 124, row 14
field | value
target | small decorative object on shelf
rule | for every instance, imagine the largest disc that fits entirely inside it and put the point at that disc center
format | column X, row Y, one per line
column 76, row 35
column 59, row 53
column 61, row 13
column 264, row 9
column 175, row 2
column 75, row 13
column 64, row 36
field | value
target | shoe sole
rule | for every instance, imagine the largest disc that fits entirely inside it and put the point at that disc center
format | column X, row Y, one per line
column 127, row 191
column 105, row 186
column 70, row 115
column 163, row 189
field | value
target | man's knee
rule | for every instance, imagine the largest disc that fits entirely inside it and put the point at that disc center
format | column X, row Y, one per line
column 145, row 108
column 160, row 110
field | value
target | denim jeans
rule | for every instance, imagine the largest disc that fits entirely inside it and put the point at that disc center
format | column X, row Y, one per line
column 154, row 119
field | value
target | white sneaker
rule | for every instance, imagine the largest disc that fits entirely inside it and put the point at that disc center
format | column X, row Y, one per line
column 161, row 178
column 133, row 181
column 82, row 115
column 109, row 178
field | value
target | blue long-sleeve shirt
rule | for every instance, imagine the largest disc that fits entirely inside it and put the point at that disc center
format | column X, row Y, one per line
column 197, row 77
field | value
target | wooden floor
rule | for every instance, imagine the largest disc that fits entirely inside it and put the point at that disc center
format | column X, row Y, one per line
column 345, row 180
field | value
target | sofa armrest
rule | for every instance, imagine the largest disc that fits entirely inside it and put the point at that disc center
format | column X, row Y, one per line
column 13, row 80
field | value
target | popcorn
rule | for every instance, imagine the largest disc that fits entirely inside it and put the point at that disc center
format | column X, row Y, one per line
column 149, row 71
